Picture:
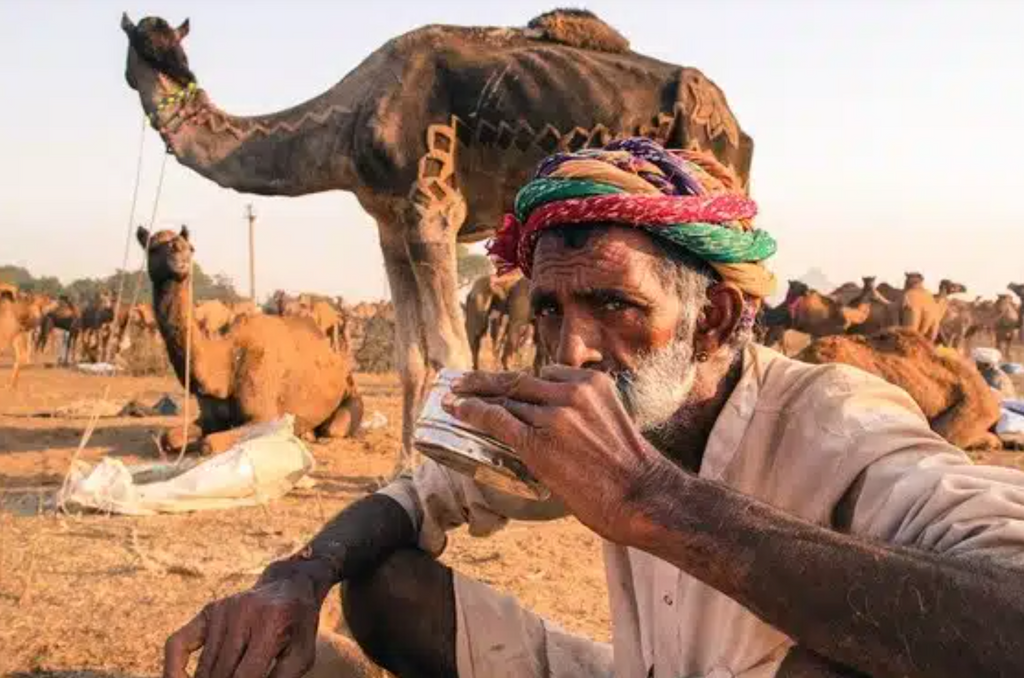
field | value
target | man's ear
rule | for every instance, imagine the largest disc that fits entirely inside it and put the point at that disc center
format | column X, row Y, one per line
column 720, row 318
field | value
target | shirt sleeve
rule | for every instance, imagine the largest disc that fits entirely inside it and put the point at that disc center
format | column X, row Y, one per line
column 920, row 491
column 439, row 499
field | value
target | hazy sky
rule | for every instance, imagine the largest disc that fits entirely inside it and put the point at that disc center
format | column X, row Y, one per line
column 888, row 134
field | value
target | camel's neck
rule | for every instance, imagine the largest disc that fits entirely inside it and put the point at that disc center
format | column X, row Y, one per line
column 171, row 305
column 305, row 149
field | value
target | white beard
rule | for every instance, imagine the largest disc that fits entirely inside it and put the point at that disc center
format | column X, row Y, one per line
column 659, row 386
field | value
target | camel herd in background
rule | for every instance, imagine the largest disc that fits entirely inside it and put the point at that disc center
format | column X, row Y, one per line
column 91, row 334
column 869, row 308
column 895, row 333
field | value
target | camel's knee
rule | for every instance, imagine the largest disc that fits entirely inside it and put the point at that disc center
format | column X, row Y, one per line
column 345, row 421
column 403, row 614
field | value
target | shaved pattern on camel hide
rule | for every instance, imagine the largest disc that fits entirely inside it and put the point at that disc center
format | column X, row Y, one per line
column 436, row 186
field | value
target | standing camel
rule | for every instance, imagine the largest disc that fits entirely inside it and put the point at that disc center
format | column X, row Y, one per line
column 21, row 314
column 433, row 133
column 1018, row 289
column 67, row 317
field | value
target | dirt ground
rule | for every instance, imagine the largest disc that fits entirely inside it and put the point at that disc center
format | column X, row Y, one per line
column 95, row 595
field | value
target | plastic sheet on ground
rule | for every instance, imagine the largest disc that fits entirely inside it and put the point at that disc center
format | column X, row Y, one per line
column 97, row 368
column 267, row 463
column 1011, row 422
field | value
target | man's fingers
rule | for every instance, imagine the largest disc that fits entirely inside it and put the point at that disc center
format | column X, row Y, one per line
column 565, row 374
column 259, row 657
column 231, row 650
column 215, row 630
column 518, row 385
column 490, row 418
column 182, row 643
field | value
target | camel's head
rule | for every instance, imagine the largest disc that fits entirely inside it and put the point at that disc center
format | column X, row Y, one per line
column 869, row 282
column 949, row 287
column 156, row 59
column 797, row 289
column 912, row 280
column 169, row 254
column 1017, row 288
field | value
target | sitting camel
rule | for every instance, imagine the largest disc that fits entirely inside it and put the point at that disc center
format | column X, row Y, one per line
column 263, row 368
column 213, row 317
column 952, row 394
column 882, row 312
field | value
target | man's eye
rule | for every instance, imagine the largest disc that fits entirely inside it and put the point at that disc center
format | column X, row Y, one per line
column 614, row 305
column 546, row 311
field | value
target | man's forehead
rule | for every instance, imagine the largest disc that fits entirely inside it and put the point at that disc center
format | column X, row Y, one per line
column 613, row 254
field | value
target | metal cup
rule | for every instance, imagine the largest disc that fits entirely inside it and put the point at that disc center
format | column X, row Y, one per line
column 469, row 451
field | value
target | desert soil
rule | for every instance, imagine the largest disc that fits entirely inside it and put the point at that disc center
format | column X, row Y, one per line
column 96, row 595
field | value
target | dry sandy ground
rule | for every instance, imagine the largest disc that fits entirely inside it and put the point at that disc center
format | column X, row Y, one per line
column 97, row 595
column 90, row 595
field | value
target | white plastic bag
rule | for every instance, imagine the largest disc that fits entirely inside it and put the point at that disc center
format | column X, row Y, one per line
column 265, row 464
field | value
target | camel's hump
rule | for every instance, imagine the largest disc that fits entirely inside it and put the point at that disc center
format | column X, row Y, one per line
column 578, row 28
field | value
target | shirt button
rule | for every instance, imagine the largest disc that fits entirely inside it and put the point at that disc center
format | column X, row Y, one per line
column 667, row 599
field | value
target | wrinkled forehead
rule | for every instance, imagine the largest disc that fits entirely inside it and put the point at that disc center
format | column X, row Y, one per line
column 596, row 255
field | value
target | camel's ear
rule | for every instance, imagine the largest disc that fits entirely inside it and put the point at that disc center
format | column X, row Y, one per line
column 143, row 237
column 184, row 232
column 182, row 30
column 126, row 24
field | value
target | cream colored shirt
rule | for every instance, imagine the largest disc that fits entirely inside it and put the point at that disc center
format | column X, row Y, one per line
column 801, row 438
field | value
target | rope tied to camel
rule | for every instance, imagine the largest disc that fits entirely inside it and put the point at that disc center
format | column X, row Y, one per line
column 686, row 198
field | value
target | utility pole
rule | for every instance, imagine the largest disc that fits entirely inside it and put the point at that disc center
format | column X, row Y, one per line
column 252, row 251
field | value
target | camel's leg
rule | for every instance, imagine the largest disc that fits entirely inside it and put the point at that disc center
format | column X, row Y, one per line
column 221, row 441
column 345, row 421
column 432, row 250
column 409, row 340
column 174, row 437
column 16, row 369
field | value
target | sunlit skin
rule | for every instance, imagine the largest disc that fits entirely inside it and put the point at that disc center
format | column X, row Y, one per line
column 602, row 305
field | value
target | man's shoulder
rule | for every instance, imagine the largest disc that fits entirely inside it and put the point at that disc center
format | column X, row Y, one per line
column 840, row 398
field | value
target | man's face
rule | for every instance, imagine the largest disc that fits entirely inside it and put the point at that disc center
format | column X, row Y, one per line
column 604, row 306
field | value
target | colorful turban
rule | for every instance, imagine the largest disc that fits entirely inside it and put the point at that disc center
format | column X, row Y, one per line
column 684, row 197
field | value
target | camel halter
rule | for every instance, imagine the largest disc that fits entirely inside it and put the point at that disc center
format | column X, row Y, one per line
column 175, row 103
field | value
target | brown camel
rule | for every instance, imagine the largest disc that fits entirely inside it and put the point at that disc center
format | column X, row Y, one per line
column 923, row 311
column 952, row 394
column 97, row 321
column 21, row 314
column 1004, row 320
column 1018, row 289
column 265, row 367
column 486, row 308
column 882, row 311
column 959, row 324
column 819, row 315
column 433, row 133
column 67, row 317
column 213, row 317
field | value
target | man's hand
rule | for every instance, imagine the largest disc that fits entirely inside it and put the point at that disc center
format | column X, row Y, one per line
column 274, row 624
column 574, row 435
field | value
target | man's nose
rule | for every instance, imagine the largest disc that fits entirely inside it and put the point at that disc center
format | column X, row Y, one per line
column 578, row 344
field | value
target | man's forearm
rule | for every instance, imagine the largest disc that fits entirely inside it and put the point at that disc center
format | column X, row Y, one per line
column 883, row 610
column 353, row 542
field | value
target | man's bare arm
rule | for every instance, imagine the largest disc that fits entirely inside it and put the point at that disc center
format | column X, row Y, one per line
column 274, row 623
column 883, row 610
